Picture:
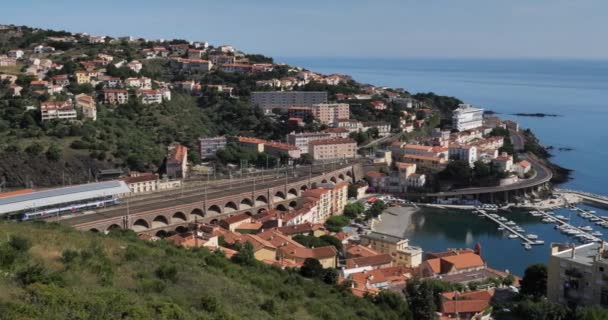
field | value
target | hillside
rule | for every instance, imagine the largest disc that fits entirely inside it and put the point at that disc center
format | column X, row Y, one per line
column 135, row 135
column 49, row 271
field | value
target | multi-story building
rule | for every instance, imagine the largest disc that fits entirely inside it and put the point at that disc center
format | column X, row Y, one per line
column 384, row 128
column 86, row 103
column 115, row 96
column 335, row 148
column 464, row 153
column 210, row 146
column 301, row 140
column 398, row 248
column 273, row 148
column 466, row 117
column 268, row 100
column 61, row 110
column 426, row 161
column 150, row 96
column 323, row 198
column 503, row 163
column 578, row 275
column 326, row 113
column 177, row 162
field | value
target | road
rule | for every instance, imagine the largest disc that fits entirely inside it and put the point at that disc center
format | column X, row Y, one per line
column 176, row 198
column 543, row 174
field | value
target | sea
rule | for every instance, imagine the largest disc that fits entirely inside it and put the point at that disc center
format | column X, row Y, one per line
column 574, row 90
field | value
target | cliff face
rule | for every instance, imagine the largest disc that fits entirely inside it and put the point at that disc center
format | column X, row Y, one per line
column 18, row 169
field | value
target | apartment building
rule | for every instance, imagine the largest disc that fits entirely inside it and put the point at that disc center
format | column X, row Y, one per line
column 273, row 148
column 578, row 275
column 398, row 248
column 464, row 153
column 115, row 96
column 210, row 146
column 60, row 110
column 150, row 96
column 268, row 100
column 301, row 140
column 335, row 148
column 466, row 117
column 86, row 103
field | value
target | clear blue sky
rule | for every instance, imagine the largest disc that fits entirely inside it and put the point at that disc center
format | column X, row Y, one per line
column 371, row 28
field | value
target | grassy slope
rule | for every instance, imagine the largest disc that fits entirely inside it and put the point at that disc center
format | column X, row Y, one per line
column 116, row 276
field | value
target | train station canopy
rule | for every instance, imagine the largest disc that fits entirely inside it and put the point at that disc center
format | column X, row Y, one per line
column 17, row 201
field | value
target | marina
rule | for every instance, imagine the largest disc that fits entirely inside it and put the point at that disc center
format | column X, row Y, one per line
column 527, row 240
column 584, row 234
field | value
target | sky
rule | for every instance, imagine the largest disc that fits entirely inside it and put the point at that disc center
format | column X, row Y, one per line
column 343, row 28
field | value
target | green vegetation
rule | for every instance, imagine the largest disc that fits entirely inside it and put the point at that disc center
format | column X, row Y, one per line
column 461, row 174
column 353, row 210
column 311, row 241
column 49, row 271
column 375, row 210
column 336, row 223
column 534, row 282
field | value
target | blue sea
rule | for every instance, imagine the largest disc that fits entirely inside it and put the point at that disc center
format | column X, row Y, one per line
column 576, row 90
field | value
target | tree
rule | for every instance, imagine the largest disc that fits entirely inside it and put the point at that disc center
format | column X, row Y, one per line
column 376, row 209
column 352, row 191
column 53, row 153
column 419, row 296
column 542, row 310
column 534, row 282
column 245, row 256
column 352, row 210
column 591, row 313
column 336, row 223
column 330, row 276
column 457, row 170
column 328, row 240
column 34, row 149
column 392, row 301
column 481, row 169
column 311, row 268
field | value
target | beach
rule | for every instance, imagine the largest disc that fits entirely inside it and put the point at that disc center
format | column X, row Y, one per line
column 395, row 221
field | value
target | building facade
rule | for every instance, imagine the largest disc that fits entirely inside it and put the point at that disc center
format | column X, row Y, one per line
column 210, row 146
column 578, row 275
column 269, row 100
column 330, row 149
column 466, row 117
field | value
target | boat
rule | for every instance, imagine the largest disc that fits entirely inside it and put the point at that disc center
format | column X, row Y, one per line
column 600, row 223
column 548, row 220
column 587, row 228
column 592, row 212
column 532, row 236
column 527, row 246
column 501, row 228
column 560, row 217
column 550, row 213
column 519, row 229
column 513, row 236
column 510, row 223
column 597, row 234
column 538, row 242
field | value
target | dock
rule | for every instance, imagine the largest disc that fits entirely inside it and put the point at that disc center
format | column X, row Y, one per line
column 564, row 223
column 507, row 227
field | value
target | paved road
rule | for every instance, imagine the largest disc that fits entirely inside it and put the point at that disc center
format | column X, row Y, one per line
column 161, row 201
column 543, row 174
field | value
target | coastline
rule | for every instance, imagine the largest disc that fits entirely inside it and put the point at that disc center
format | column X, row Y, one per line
column 396, row 221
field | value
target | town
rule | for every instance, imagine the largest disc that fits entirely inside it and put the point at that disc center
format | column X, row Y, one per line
column 289, row 167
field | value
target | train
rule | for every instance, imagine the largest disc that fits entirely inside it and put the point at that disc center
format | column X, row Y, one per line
column 73, row 208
